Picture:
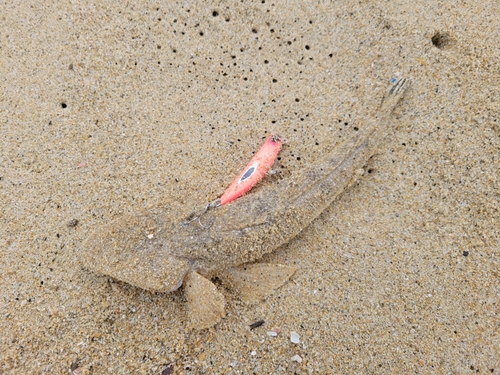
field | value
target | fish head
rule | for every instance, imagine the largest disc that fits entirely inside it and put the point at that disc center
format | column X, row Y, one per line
column 133, row 249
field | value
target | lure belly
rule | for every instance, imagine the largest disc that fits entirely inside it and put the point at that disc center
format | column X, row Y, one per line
column 255, row 170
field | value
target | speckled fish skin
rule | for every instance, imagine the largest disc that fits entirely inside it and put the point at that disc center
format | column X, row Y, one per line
column 153, row 254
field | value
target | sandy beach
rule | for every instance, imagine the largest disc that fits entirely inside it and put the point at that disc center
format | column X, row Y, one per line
column 113, row 108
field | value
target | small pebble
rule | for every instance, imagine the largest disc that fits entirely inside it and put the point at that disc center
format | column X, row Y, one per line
column 253, row 352
column 256, row 324
column 169, row 370
column 297, row 358
column 272, row 333
column 294, row 337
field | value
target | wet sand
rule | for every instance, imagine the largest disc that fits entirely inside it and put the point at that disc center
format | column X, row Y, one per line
column 119, row 108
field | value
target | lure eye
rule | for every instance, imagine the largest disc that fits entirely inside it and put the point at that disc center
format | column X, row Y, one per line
column 248, row 173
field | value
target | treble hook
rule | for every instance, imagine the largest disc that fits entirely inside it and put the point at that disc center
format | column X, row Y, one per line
column 214, row 204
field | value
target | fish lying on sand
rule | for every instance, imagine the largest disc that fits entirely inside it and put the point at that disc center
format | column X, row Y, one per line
column 150, row 252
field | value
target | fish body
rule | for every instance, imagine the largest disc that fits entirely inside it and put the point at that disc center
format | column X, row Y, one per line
column 154, row 253
column 142, row 249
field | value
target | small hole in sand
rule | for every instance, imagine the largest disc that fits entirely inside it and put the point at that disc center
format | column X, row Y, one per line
column 442, row 40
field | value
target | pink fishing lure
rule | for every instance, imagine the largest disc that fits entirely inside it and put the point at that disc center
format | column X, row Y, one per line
column 255, row 170
column 248, row 178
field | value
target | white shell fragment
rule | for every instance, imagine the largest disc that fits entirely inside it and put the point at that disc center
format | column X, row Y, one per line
column 274, row 332
column 294, row 337
column 297, row 358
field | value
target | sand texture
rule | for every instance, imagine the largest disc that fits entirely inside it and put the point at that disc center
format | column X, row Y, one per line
column 114, row 108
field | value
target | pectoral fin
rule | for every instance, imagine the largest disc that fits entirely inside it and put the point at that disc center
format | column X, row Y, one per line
column 254, row 282
column 205, row 304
